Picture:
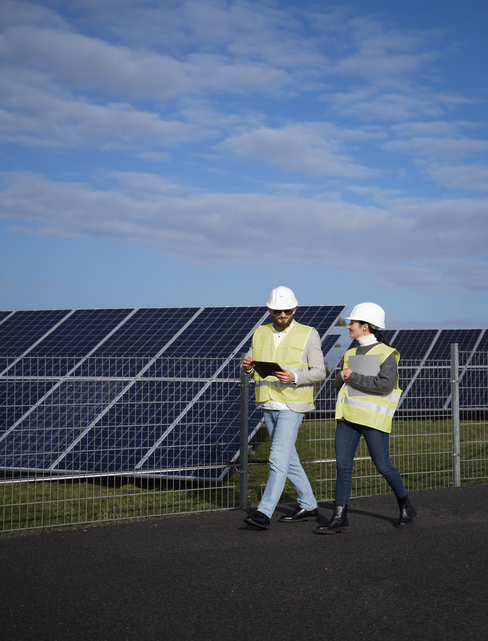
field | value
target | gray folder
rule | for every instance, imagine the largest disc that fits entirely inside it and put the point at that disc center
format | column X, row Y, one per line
column 367, row 365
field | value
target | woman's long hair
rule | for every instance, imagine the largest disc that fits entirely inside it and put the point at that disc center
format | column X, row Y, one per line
column 376, row 332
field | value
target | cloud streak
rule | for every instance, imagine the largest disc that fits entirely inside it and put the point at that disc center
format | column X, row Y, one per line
column 211, row 229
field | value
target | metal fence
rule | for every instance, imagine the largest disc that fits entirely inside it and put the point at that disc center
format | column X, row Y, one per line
column 112, row 439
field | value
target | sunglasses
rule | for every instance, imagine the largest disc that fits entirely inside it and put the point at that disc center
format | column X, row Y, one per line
column 288, row 312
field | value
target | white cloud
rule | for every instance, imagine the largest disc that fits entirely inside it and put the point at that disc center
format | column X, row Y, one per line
column 33, row 116
column 381, row 53
column 438, row 147
column 312, row 148
column 378, row 195
column 18, row 13
column 88, row 64
column 401, row 277
column 468, row 177
column 144, row 186
column 417, row 239
column 222, row 116
column 371, row 104
column 376, row 59
column 443, row 228
column 473, row 271
column 258, row 31
column 434, row 129
column 451, row 277
column 437, row 139
column 154, row 156
column 186, row 48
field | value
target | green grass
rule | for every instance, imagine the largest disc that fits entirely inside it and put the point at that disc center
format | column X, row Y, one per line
column 48, row 504
column 420, row 449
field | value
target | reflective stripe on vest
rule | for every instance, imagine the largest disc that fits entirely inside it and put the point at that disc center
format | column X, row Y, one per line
column 373, row 410
column 288, row 354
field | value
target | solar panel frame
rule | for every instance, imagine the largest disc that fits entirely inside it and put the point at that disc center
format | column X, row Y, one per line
column 4, row 314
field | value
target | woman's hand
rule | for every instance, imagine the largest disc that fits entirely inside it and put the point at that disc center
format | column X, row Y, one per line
column 346, row 373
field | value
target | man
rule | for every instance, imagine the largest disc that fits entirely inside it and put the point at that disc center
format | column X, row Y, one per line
column 285, row 397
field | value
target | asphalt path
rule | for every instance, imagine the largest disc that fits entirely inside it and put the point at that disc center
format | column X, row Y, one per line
column 210, row 576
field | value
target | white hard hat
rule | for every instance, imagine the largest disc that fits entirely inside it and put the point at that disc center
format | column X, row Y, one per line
column 282, row 298
column 369, row 313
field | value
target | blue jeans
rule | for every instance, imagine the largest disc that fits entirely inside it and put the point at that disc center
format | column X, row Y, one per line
column 284, row 462
column 346, row 442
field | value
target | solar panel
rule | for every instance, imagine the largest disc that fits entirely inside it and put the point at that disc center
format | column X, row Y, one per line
column 473, row 393
column 414, row 343
column 465, row 338
column 51, row 427
column 483, row 343
column 113, row 444
column 329, row 342
column 115, row 398
column 187, row 445
column 147, row 332
column 424, row 368
column 217, row 331
column 4, row 315
column 20, row 331
column 426, row 385
column 81, row 333
column 429, row 390
column 17, row 397
column 155, row 390
column 320, row 318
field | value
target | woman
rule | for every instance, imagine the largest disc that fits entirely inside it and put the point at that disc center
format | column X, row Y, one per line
column 368, row 397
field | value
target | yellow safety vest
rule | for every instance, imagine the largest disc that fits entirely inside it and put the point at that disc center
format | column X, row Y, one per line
column 373, row 410
column 289, row 355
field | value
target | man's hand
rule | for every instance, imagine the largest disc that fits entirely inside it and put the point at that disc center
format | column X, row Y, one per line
column 285, row 376
column 247, row 363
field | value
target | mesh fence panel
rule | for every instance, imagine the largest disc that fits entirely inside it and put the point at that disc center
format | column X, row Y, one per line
column 474, row 419
column 421, row 442
column 116, row 438
column 101, row 439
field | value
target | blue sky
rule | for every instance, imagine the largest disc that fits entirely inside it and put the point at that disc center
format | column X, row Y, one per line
column 181, row 153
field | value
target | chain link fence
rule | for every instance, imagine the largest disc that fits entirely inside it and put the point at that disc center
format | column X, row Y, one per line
column 109, row 439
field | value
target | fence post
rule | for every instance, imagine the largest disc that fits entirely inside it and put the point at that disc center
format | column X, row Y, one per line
column 456, row 440
column 244, row 445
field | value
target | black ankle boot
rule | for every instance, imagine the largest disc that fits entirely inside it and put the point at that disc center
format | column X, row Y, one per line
column 338, row 522
column 407, row 512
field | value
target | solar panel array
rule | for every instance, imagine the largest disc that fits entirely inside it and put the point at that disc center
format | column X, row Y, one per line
column 424, row 368
column 129, row 390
